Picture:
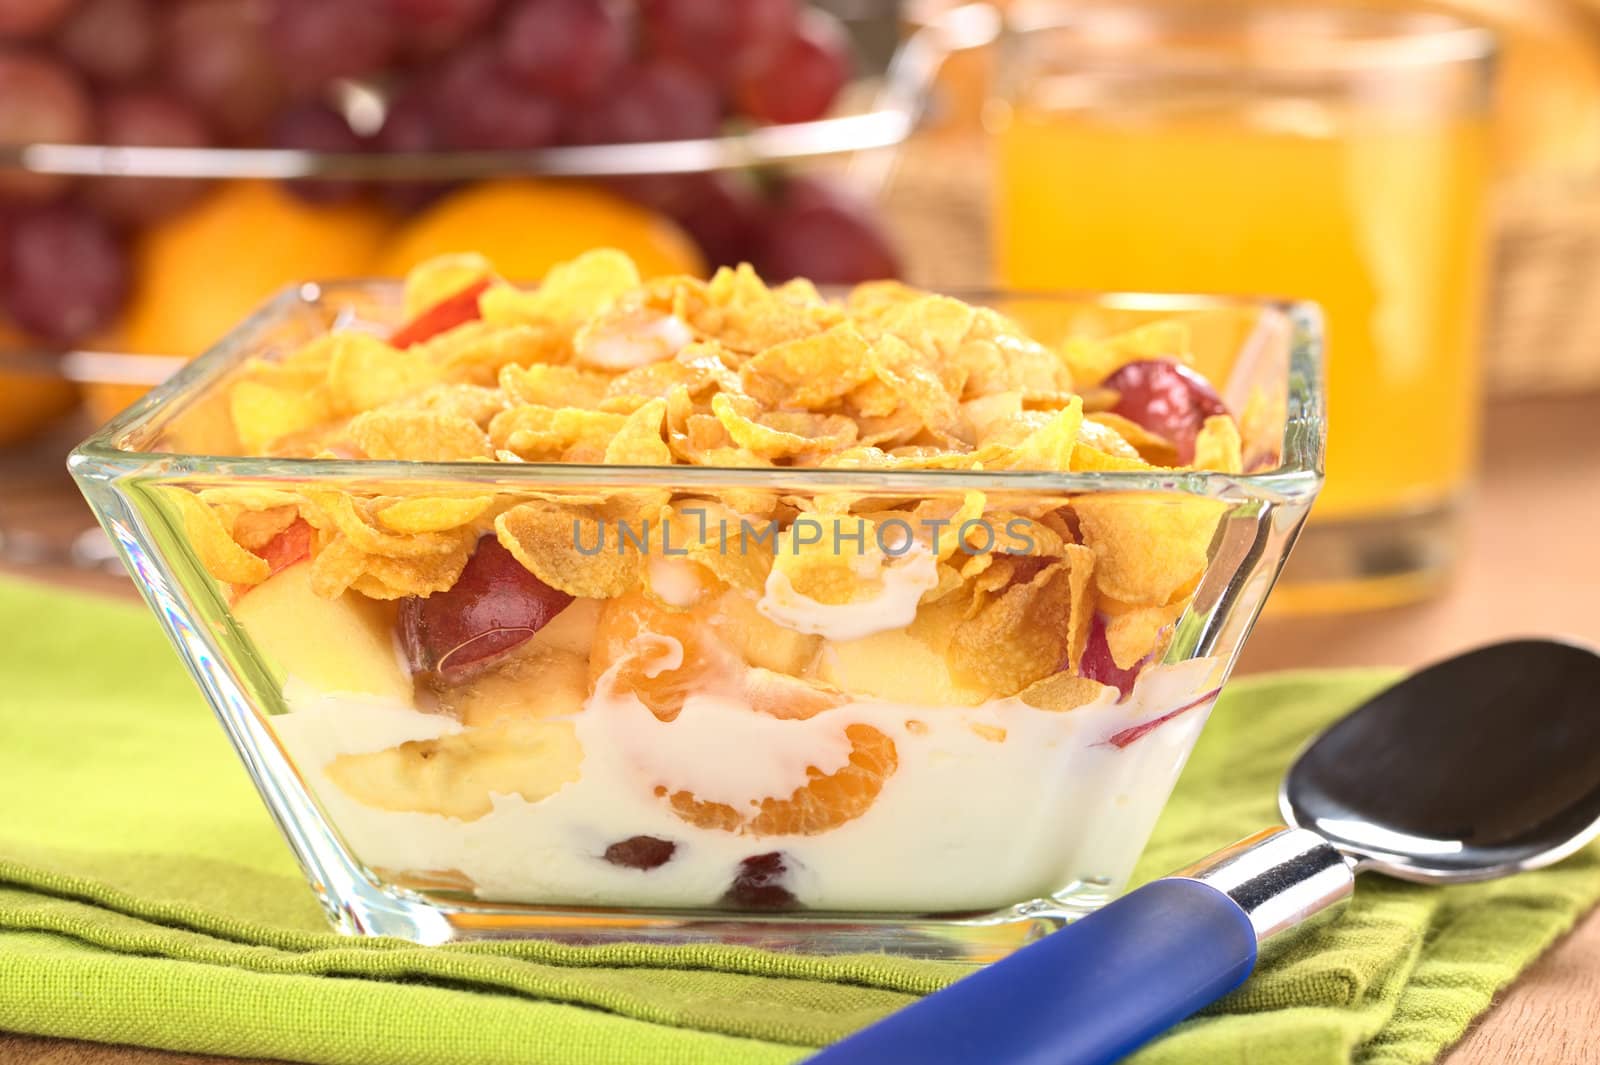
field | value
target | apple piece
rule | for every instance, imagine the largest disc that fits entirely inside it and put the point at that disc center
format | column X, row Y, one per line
column 333, row 645
column 446, row 314
column 494, row 606
column 533, row 681
column 572, row 629
column 282, row 551
column 458, row 775
column 759, row 640
column 896, row 666
column 288, row 547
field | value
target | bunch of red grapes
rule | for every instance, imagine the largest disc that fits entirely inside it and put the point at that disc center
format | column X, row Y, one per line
column 454, row 75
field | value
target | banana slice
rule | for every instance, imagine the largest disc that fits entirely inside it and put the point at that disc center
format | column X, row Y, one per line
column 534, row 681
column 456, row 775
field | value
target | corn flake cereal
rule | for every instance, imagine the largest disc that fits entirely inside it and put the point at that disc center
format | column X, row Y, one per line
column 215, row 546
column 1147, row 548
column 418, row 436
column 580, row 549
column 428, row 514
column 595, row 366
column 1018, row 637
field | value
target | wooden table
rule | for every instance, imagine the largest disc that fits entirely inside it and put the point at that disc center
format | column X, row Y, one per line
column 1531, row 565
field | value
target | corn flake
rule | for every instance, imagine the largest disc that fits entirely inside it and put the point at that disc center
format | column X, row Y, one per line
column 545, row 385
column 419, row 436
column 253, row 529
column 552, row 434
column 263, row 414
column 808, row 372
column 584, row 550
column 1148, row 548
column 429, row 283
column 1017, row 637
column 1049, row 446
column 1061, row 692
column 781, row 434
column 570, row 293
column 1152, row 448
column 427, row 514
column 211, row 542
column 365, row 372
column 639, row 441
column 1217, row 446
column 1135, row 633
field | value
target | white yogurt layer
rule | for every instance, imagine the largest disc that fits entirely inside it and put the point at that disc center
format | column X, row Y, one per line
column 966, row 821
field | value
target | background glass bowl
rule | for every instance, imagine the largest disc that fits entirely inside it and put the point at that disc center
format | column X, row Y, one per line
column 970, row 853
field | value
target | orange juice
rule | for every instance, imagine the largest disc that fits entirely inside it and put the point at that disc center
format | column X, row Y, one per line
column 1377, row 218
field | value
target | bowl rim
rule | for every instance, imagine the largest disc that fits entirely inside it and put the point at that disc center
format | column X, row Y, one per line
column 105, row 455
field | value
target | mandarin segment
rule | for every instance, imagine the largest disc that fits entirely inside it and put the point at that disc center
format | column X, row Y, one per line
column 661, row 656
column 823, row 803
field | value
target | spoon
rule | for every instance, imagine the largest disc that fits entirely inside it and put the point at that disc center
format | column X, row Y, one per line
column 1477, row 767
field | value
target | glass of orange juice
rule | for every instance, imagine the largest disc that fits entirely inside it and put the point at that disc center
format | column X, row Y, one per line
column 1334, row 153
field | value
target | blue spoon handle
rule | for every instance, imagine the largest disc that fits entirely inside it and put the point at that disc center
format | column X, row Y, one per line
column 1096, row 990
column 1086, row 995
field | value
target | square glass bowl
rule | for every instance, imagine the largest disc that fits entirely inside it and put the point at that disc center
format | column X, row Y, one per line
column 620, row 779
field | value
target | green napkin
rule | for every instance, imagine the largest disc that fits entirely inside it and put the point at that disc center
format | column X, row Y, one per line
column 146, row 898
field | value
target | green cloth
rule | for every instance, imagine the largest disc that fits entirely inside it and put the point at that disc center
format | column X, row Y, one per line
column 146, row 898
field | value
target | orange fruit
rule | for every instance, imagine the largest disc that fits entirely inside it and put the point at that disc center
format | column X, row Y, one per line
column 827, row 801
column 200, row 273
column 525, row 227
column 660, row 655
column 29, row 402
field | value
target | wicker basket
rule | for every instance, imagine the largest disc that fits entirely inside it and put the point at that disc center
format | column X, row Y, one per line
column 1544, row 307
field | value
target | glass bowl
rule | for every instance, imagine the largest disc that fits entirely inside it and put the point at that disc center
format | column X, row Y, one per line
column 614, row 786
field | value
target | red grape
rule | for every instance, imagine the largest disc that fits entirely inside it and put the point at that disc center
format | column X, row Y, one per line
column 215, row 53
column 66, row 273
column 799, row 79
column 40, row 100
column 716, row 38
column 146, row 118
column 408, row 121
column 761, row 25
column 819, row 231
column 1167, row 398
column 759, row 883
column 316, row 128
column 109, row 40
column 434, row 27
column 1098, row 665
column 641, row 852
column 409, row 126
column 478, row 106
column 724, row 219
column 1123, row 737
column 721, row 210
column 318, row 41
column 29, row 18
column 654, row 101
column 568, row 48
column 494, row 606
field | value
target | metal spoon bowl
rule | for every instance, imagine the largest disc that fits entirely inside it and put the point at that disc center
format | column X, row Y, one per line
column 1477, row 767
